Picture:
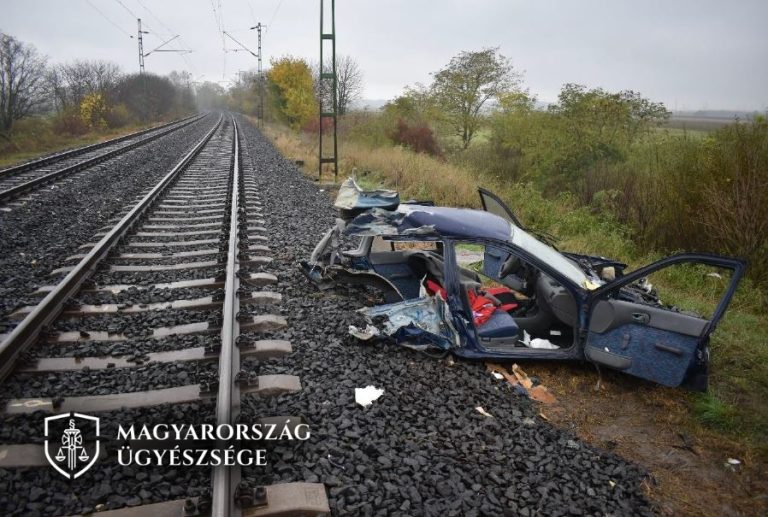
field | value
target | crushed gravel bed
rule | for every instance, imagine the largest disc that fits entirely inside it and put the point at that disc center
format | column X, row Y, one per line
column 153, row 376
column 38, row 235
column 42, row 491
column 132, row 347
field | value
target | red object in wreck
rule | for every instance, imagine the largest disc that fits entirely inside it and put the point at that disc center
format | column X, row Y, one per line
column 433, row 288
column 482, row 307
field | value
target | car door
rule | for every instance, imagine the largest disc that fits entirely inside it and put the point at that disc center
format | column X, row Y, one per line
column 495, row 256
column 492, row 203
column 654, row 341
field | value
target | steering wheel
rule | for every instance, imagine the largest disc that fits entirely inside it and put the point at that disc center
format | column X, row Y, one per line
column 511, row 264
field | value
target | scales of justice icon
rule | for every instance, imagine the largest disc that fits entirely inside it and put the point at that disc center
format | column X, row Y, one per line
column 71, row 442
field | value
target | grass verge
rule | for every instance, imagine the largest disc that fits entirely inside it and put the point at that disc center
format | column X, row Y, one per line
column 35, row 137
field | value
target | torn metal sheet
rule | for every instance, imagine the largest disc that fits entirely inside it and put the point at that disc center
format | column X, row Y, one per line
column 378, row 222
column 420, row 323
column 352, row 198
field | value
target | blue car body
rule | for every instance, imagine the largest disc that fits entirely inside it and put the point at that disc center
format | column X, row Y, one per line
column 611, row 324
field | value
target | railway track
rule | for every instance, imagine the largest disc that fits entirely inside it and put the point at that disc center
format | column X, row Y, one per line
column 162, row 316
column 28, row 177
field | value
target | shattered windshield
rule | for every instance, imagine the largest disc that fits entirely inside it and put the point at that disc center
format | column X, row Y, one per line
column 552, row 257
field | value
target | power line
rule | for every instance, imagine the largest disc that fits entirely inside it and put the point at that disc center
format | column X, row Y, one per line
column 170, row 32
column 126, row 8
column 218, row 16
column 250, row 8
column 272, row 20
column 108, row 19
column 158, row 20
column 217, row 19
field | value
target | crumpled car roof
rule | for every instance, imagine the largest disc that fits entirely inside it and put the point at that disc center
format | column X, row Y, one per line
column 431, row 220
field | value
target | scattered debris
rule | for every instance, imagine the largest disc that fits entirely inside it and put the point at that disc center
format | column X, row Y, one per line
column 541, row 394
column 483, row 412
column 520, row 381
column 495, row 368
column 544, row 344
column 364, row 334
column 522, row 377
column 366, row 396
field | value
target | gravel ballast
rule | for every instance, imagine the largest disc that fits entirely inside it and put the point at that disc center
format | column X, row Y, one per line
column 39, row 234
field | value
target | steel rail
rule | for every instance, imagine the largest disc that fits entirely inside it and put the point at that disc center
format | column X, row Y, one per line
column 49, row 160
column 226, row 479
column 32, row 184
column 28, row 331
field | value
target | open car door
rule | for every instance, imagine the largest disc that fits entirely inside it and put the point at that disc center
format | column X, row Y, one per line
column 492, row 203
column 653, row 341
column 495, row 257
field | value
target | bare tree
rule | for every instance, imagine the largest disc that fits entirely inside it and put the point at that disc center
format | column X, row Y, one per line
column 349, row 83
column 22, row 87
column 56, row 88
column 80, row 78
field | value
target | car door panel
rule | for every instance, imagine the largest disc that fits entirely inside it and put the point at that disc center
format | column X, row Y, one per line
column 655, row 342
column 609, row 314
column 648, row 342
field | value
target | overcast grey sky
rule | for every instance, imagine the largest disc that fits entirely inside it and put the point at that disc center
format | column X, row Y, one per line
column 693, row 54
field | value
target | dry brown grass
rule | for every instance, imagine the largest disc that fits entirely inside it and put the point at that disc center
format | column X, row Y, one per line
column 414, row 175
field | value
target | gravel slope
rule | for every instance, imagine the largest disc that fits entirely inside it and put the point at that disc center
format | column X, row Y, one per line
column 421, row 449
column 36, row 237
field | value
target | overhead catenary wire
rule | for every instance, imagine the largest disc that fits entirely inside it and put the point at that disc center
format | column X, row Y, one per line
column 108, row 19
column 250, row 8
column 219, row 19
column 126, row 8
column 170, row 32
column 274, row 13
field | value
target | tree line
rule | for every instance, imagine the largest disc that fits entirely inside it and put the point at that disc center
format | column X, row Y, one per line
column 606, row 150
column 81, row 95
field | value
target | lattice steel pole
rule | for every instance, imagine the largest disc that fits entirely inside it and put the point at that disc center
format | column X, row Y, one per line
column 328, row 76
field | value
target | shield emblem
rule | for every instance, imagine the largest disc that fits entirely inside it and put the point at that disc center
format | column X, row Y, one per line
column 72, row 443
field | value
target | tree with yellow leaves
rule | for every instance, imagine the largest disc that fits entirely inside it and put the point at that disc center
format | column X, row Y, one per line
column 93, row 108
column 290, row 79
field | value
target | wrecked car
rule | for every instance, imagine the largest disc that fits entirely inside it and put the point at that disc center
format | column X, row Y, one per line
column 479, row 285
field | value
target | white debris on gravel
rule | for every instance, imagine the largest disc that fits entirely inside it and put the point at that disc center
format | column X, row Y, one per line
column 483, row 412
column 366, row 396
